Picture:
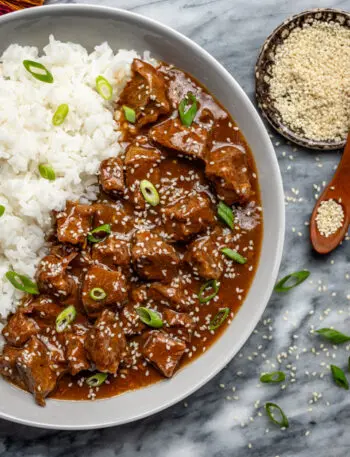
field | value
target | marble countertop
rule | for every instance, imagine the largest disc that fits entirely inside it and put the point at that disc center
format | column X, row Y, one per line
column 226, row 417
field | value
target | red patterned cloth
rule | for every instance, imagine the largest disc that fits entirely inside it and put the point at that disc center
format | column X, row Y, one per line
column 14, row 5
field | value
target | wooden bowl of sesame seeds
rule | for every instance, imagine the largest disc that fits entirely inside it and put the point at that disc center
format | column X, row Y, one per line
column 303, row 78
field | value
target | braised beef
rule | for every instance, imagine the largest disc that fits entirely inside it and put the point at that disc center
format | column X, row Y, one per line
column 163, row 351
column 111, row 283
column 205, row 258
column 52, row 275
column 74, row 223
column 19, row 329
column 113, row 251
column 35, row 369
column 177, row 324
column 112, row 176
column 173, row 295
column 190, row 141
column 227, row 167
column 141, row 162
column 105, row 343
column 131, row 323
column 75, row 352
column 152, row 257
column 188, row 216
column 145, row 93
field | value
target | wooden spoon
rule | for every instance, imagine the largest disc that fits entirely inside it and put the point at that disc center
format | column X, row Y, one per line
column 338, row 189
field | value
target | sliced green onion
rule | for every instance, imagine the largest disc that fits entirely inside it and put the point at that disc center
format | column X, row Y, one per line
column 226, row 214
column 333, row 336
column 270, row 407
column 297, row 276
column 219, row 318
column 96, row 380
column 274, row 376
column 339, row 377
column 22, row 282
column 47, row 172
column 149, row 192
column 149, row 317
column 65, row 318
column 38, row 70
column 130, row 114
column 187, row 114
column 104, row 229
column 202, row 295
column 104, row 88
column 97, row 294
column 2, row 210
column 234, row 255
column 60, row 114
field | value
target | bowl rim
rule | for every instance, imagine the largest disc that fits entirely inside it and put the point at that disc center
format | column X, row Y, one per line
column 36, row 12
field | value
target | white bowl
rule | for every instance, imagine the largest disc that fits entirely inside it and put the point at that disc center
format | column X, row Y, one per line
column 91, row 25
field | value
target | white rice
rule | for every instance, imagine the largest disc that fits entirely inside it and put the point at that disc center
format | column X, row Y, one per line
column 28, row 138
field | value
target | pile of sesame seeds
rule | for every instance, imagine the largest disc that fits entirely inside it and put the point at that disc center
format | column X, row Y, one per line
column 329, row 218
column 310, row 81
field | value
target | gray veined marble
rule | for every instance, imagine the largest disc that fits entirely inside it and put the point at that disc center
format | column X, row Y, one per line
column 226, row 417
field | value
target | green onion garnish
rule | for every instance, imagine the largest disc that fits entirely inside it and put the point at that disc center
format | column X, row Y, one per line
column 149, row 317
column 103, row 230
column 129, row 114
column 333, row 336
column 97, row 294
column 104, row 88
column 47, row 172
column 339, row 377
column 274, row 376
column 96, row 379
column 2, row 210
column 38, row 70
column 149, row 192
column 60, row 114
column 270, row 407
column 202, row 295
column 22, row 282
column 297, row 276
column 226, row 214
column 65, row 318
column 234, row 255
column 187, row 115
column 219, row 318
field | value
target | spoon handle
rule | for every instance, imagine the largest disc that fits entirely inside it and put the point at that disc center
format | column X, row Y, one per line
column 338, row 189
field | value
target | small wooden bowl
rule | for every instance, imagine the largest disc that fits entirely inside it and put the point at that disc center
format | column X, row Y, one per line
column 266, row 60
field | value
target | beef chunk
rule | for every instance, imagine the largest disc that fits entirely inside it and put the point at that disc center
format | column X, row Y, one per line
column 139, row 294
column 205, row 258
column 74, row 223
column 113, row 284
column 8, row 367
column 188, row 216
column 112, row 251
column 132, row 325
column 117, row 215
column 145, row 93
column 105, row 343
column 227, row 167
column 163, row 351
column 190, row 141
column 43, row 309
column 19, row 329
column 173, row 295
column 52, row 276
column 141, row 162
column 75, row 352
column 34, row 367
column 112, row 176
column 152, row 257
column 180, row 325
